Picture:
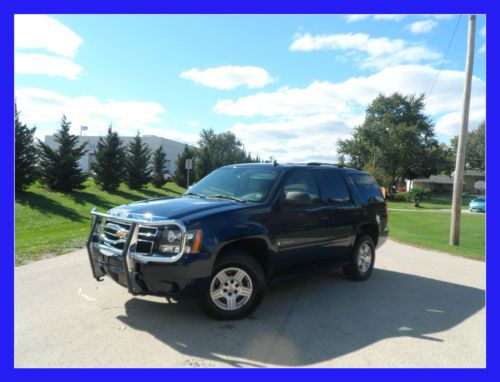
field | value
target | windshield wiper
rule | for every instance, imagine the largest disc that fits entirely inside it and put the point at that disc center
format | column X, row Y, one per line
column 194, row 194
column 228, row 197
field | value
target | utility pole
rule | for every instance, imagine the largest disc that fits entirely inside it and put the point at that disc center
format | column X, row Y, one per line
column 456, row 208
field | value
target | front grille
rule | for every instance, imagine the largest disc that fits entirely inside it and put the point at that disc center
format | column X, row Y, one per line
column 115, row 234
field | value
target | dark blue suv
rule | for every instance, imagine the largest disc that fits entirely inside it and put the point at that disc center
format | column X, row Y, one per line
column 239, row 229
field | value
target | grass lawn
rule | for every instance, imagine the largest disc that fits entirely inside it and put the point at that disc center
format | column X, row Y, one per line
column 435, row 202
column 53, row 223
column 432, row 230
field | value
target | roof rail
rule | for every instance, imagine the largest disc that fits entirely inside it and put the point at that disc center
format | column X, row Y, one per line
column 323, row 164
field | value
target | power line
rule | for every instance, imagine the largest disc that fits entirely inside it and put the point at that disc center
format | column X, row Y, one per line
column 445, row 55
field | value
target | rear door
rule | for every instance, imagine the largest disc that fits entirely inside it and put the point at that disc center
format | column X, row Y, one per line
column 342, row 211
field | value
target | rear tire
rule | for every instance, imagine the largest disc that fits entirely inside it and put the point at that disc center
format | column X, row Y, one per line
column 236, row 287
column 362, row 259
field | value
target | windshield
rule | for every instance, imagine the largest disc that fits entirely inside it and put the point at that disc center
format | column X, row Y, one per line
column 238, row 183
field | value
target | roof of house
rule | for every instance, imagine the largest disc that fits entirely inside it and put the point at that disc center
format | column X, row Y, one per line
column 438, row 179
column 472, row 173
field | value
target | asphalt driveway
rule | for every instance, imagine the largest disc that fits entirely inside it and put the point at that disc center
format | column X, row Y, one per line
column 420, row 309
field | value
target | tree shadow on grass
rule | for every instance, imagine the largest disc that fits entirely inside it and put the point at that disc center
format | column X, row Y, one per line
column 46, row 205
column 83, row 197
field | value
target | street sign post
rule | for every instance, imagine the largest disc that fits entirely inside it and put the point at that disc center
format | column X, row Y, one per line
column 189, row 166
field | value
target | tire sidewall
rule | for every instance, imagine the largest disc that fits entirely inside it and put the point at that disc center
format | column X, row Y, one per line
column 354, row 264
column 252, row 268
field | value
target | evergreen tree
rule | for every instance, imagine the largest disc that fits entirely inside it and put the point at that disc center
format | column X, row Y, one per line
column 60, row 168
column 138, row 169
column 159, row 166
column 26, row 154
column 109, row 165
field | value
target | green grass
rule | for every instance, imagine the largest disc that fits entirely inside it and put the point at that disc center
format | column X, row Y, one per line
column 435, row 202
column 432, row 229
column 54, row 223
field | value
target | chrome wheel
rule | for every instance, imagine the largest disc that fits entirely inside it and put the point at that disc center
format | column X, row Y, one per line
column 231, row 288
column 365, row 258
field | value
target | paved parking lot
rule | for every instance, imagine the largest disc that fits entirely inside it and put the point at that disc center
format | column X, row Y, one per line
column 420, row 309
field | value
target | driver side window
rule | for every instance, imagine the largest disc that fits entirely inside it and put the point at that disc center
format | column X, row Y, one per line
column 303, row 181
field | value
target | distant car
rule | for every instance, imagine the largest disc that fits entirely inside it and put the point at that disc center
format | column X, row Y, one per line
column 478, row 204
column 168, row 176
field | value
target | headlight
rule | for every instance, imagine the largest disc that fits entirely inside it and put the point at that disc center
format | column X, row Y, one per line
column 171, row 240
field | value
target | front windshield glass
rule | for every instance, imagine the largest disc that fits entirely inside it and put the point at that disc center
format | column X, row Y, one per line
column 240, row 183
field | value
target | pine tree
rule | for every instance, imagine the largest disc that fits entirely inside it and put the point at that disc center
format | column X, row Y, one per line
column 159, row 166
column 26, row 154
column 109, row 165
column 138, row 170
column 60, row 168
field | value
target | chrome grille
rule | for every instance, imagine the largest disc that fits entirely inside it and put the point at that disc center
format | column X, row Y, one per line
column 115, row 234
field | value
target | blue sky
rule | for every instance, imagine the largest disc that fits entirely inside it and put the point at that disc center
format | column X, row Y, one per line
column 287, row 86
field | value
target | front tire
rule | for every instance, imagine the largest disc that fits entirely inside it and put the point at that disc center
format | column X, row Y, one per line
column 362, row 259
column 236, row 287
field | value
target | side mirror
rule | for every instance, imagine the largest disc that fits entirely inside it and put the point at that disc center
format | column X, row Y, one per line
column 297, row 198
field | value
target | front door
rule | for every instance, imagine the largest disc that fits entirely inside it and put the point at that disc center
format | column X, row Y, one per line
column 301, row 231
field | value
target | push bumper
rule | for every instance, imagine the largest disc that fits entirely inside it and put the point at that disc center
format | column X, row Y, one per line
column 183, row 275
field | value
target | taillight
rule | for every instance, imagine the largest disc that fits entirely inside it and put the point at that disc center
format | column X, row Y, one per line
column 386, row 214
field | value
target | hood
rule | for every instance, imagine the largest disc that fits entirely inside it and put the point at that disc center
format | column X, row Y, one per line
column 175, row 208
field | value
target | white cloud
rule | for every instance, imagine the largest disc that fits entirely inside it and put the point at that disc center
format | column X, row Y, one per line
column 370, row 52
column 193, row 124
column 449, row 124
column 482, row 32
column 424, row 26
column 229, row 77
column 35, row 63
column 44, row 109
column 392, row 17
column 351, row 18
column 345, row 98
column 301, row 139
column 305, row 123
column 45, row 32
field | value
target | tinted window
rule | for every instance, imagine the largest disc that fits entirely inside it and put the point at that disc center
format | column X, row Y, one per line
column 303, row 181
column 367, row 187
column 336, row 190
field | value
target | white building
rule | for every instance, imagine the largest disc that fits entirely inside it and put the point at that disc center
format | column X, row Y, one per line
column 172, row 148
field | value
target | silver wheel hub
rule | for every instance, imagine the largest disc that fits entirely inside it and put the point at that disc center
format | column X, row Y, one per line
column 231, row 288
column 365, row 257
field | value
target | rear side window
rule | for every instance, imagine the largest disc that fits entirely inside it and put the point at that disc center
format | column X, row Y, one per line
column 367, row 186
column 336, row 190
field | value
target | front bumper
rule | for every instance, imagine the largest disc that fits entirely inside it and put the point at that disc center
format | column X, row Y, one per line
column 180, row 275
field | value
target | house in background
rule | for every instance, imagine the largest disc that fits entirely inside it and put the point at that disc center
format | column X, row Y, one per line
column 172, row 148
column 474, row 182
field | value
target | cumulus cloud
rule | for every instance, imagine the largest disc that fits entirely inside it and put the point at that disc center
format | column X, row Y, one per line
column 44, row 108
column 35, row 63
column 424, row 26
column 394, row 17
column 318, row 114
column 229, row 77
column 370, row 52
column 59, row 43
column 193, row 124
column 300, row 139
column 45, row 32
